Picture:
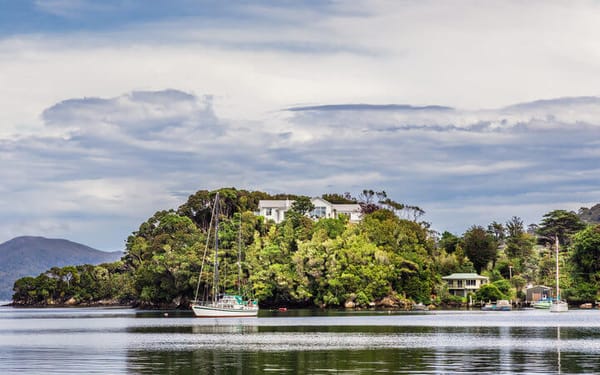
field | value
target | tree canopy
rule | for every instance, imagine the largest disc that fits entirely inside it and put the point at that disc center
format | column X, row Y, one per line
column 480, row 246
column 560, row 223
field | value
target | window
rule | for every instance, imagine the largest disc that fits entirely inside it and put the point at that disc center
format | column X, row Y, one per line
column 459, row 284
column 269, row 212
column 318, row 212
column 471, row 283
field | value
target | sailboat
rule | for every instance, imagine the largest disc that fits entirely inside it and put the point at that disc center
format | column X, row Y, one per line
column 222, row 305
column 557, row 304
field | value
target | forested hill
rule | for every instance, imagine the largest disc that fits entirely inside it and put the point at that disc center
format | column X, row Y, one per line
column 29, row 256
column 590, row 215
column 383, row 260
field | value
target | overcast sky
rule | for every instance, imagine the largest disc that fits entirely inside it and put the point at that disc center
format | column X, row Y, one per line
column 474, row 111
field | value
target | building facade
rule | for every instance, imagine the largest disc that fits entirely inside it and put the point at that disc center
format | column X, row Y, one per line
column 537, row 293
column 276, row 209
column 461, row 284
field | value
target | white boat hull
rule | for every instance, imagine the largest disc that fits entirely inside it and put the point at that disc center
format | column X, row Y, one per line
column 559, row 307
column 206, row 311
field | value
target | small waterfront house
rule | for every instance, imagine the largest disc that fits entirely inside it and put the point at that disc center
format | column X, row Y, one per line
column 537, row 292
column 275, row 210
column 460, row 284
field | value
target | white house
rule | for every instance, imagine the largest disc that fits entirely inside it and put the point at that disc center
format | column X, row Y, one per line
column 460, row 284
column 275, row 210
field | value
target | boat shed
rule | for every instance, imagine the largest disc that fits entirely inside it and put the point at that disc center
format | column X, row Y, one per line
column 537, row 292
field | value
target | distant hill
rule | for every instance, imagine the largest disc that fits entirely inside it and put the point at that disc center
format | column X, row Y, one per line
column 30, row 256
column 590, row 215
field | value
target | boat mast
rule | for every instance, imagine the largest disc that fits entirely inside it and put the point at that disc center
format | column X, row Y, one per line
column 240, row 257
column 216, row 264
column 212, row 216
column 557, row 278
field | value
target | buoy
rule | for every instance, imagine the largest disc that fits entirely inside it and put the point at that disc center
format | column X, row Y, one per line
column 282, row 309
column 166, row 314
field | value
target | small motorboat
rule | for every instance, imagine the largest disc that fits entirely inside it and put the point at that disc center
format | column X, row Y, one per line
column 500, row 305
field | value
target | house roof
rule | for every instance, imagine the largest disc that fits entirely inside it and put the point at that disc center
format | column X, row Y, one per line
column 274, row 203
column 539, row 287
column 319, row 201
column 352, row 207
column 465, row 276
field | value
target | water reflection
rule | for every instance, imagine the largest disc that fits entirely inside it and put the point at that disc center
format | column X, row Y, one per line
column 240, row 349
column 113, row 341
column 416, row 361
column 559, row 369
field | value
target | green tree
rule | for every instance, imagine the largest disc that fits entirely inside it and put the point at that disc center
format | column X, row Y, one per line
column 163, row 255
column 369, row 200
column 519, row 243
column 498, row 231
column 302, row 205
column 504, row 287
column 448, row 242
column 585, row 260
column 480, row 247
column 560, row 223
column 332, row 227
column 489, row 292
column 336, row 198
column 586, row 253
column 518, row 282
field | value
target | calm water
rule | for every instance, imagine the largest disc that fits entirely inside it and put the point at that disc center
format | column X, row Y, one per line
column 116, row 341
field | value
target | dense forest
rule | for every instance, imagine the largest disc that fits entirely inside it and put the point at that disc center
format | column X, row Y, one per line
column 388, row 259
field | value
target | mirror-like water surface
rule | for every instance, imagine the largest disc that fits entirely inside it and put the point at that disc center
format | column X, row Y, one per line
column 114, row 341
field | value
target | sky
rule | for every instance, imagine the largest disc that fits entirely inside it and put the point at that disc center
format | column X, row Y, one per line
column 474, row 111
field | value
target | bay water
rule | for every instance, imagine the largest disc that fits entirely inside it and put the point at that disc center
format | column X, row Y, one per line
column 129, row 341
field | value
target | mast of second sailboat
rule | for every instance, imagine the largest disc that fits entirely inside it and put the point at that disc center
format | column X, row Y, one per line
column 216, row 262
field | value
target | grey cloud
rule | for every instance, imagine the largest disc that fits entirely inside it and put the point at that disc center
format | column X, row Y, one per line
column 439, row 157
column 117, row 160
column 369, row 107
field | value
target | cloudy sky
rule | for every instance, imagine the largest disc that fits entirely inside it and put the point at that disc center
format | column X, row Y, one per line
column 474, row 111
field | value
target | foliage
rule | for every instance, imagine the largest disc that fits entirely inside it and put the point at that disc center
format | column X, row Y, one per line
column 480, row 247
column 331, row 227
column 560, row 223
column 302, row 205
column 489, row 292
column 370, row 201
column 81, row 284
column 336, row 198
column 340, row 262
column 518, row 282
column 163, row 255
column 198, row 207
column 503, row 286
column 585, row 261
column 448, row 242
column 497, row 230
column 520, row 247
column 585, row 255
column 456, row 262
column 328, row 262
